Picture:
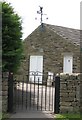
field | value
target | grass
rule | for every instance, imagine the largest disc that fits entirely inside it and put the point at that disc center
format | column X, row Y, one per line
column 74, row 116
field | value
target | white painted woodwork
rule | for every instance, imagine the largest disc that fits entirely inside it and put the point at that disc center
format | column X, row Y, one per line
column 36, row 68
column 68, row 64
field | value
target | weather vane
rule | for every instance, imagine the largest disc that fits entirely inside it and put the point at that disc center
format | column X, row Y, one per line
column 41, row 13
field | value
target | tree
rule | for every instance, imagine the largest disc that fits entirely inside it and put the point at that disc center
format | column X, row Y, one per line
column 11, row 38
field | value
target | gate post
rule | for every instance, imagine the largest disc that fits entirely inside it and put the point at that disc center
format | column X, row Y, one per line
column 57, row 95
column 10, row 92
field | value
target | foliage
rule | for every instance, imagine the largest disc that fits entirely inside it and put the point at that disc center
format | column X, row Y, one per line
column 4, row 116
column 11, row 38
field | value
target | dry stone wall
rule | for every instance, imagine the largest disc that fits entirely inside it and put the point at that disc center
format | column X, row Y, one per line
column 0, row 95
column 5, row 92
column 69, row 93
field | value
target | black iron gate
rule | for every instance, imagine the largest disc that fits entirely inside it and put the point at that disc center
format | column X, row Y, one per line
column 36, row 92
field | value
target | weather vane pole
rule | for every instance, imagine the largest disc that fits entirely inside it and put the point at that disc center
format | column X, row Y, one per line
column 41, row 13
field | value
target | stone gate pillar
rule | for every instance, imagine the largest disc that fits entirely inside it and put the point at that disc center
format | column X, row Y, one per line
column 5, row 91
column 70, row 94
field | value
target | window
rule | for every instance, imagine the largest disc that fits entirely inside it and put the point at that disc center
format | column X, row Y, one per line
column 68, row 64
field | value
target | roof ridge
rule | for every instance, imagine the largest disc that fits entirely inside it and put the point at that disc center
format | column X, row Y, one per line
column 61, row 26
column 72, row 35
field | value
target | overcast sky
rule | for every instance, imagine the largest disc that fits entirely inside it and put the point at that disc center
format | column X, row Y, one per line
column 59, row 12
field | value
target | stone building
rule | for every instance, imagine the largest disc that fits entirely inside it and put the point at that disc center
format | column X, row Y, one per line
column 52, row 49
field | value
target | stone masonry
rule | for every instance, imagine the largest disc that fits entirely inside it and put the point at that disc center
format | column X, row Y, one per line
column 0, row 95
column 69, row 93
column 5, row 92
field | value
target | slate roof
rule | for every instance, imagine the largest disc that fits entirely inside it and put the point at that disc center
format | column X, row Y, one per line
column 73, row 35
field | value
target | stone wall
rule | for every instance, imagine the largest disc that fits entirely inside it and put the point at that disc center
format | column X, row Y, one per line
column 1, row 95
column 81, row 93
column 69, row 93
column 4, row 92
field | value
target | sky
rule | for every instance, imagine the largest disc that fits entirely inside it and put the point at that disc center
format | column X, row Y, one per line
column 59, row 12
